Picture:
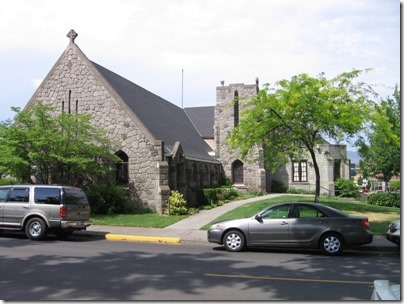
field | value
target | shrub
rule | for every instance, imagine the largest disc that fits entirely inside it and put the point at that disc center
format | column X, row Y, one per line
column 108, row 198
column 177, row 205
column 293, row 190
column 346, row 188
column 207, row 196
column 384, row 199
column 227, row 193
column 214, row 196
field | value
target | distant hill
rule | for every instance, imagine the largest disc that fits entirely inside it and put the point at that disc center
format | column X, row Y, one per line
column 353, row 156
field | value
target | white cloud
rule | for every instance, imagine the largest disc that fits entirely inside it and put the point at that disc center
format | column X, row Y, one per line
column 149, row 42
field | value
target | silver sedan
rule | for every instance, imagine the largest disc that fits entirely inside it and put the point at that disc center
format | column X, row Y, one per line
column 294, row 224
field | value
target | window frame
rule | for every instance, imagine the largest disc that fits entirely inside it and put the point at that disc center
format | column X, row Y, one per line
column 299, row 173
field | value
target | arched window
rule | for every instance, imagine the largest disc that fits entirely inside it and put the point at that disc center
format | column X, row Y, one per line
column 122, row 168
column 236, row 109
column 237, row 172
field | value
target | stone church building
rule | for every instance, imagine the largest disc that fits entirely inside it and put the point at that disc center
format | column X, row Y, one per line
column 164, row 147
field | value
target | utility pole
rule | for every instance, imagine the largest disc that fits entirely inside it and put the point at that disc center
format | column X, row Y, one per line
column 182, row 90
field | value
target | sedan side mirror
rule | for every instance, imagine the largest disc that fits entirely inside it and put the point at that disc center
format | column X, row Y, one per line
column 258, row 217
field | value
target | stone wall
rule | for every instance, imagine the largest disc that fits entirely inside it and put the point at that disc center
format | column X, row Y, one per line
column 325, row 160
column 74, row 77
column 188, row 176
column 254, row 174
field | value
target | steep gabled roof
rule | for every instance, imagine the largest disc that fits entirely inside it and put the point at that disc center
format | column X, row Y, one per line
column 203, row 119
column 164, row 120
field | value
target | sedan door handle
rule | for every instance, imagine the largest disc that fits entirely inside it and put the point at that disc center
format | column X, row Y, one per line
column 284, row 223
column 323, row 222
column 25, row 207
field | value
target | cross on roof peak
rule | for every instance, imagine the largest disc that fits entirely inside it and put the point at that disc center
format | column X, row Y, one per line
column 72, row 35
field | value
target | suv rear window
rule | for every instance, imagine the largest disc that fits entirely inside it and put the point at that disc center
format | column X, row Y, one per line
column 49, row 196
column 74, row 196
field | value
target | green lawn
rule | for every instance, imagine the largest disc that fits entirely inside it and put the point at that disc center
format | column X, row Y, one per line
column 147, row 220
column 379, row 217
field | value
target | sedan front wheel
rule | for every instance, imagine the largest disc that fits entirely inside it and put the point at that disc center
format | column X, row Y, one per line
column 234, row 240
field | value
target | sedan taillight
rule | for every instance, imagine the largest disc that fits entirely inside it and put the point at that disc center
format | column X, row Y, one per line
column 365, row 224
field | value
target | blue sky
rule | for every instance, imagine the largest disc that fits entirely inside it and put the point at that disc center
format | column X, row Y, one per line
column 150, row 42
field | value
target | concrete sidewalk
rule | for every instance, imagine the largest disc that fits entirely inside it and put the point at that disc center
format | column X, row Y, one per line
column 188, row 230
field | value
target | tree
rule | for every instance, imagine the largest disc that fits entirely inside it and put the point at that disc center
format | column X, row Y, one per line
column 290, row 119
column 53, row 149
column 381, row 156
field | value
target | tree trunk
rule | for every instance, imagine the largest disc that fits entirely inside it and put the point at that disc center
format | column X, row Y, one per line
column 317, row 172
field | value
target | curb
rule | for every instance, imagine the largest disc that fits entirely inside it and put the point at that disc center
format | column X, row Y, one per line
column 146, row 239
column 178, row 240
column 378, row 247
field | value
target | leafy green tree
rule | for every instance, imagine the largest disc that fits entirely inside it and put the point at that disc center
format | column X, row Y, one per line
column 381, row 154
column 41, row 147
column 395, row 185
column 346, row 187
column 290, row 119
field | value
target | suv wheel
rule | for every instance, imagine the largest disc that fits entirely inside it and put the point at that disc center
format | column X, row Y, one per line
column 36, row 229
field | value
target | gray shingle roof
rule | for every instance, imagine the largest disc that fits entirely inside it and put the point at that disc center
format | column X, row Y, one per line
column 163, row 119
column 203, row 119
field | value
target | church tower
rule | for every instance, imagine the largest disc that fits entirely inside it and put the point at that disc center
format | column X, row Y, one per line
column 230, row 101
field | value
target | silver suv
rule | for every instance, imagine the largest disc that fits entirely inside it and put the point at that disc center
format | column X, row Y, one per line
column 37, row 209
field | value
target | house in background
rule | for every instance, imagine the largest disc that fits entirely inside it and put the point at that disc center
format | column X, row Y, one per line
column 164, row 147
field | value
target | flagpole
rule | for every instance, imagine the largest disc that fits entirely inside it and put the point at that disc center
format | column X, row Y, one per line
column 182, row 90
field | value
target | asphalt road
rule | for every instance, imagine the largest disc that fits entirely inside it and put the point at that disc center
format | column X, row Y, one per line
column 91, row 268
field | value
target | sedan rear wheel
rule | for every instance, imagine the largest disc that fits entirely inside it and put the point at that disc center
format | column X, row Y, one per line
column 234, row 240
column 332, row 244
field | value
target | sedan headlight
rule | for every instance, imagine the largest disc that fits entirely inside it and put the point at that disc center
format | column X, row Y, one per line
column 215, row 227
column 394, row 226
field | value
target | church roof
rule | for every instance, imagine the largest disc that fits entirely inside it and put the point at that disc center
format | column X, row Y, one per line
column 166, row 121
column 203, row 119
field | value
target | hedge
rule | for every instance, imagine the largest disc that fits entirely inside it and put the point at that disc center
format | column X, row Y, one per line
column 386, row 199
column 209, row 196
